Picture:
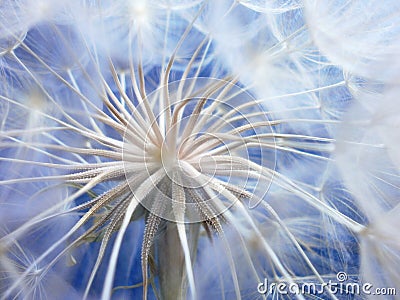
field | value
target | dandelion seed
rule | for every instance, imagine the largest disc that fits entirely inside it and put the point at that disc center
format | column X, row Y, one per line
column 35, row 285
column 369, row 141
column 365, row 33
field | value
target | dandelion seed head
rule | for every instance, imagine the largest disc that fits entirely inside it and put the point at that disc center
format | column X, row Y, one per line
column 197, row 148
column 188, row 149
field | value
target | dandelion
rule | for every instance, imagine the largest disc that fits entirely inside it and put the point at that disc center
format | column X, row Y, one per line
column 35, row 285
column 184, row 150
column 374, row 157
column 366, row 35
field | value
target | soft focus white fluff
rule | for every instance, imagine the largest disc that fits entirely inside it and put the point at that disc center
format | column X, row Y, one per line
column 361, row 36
